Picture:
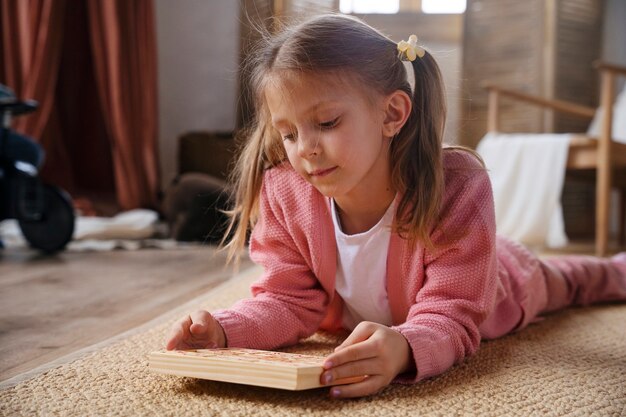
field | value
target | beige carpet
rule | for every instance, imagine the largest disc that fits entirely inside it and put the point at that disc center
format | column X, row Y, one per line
column 573, row 363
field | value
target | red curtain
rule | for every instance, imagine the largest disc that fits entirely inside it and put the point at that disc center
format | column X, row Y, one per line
column 124, row 51
column 31, row 45
column 123, row 60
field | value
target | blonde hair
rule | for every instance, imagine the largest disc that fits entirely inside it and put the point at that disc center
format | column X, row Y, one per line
column 349, row 47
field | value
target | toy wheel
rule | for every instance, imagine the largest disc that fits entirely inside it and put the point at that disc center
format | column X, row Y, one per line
column 55, row 229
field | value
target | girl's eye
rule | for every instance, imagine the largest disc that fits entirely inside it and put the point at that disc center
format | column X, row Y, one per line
column 290, row 137
column 330, row 124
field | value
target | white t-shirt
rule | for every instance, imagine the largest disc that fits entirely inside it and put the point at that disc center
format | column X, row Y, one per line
column 362, row 271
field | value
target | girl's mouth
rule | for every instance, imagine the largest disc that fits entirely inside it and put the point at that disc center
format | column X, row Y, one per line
column 322, row 172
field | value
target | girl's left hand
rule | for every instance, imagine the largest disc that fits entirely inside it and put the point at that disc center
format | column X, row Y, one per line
column 373, row 350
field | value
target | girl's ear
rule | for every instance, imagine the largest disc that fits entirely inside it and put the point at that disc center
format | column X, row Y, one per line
column 397, row 109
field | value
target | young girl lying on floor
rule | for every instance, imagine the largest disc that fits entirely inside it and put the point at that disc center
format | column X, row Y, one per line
column 362, row 220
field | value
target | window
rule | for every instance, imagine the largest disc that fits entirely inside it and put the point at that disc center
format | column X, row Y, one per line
column 447, row 6
column 369, row 6
column 394, row 6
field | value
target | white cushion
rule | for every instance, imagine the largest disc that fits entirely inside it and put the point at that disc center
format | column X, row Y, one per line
column 527, row 173
column 619, row 119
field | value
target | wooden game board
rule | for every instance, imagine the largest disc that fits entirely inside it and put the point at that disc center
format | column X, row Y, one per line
column 282, row 370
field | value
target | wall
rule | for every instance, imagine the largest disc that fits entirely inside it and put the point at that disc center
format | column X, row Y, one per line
column 614, row 39
column 197, row 57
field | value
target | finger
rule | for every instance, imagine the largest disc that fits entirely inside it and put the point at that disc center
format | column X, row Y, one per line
column 361, row 332
column 370, row 385
column 360, row 351
column 202, row 318
column 352, row 371
column 197, row 329
column 173, row 340
column 205, row 330
column 177, row 333
column 202, row 323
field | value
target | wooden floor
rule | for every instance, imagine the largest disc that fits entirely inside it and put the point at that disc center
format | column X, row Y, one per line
column 52, row 306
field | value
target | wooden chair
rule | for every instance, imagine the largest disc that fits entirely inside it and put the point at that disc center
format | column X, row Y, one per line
column 603, row 155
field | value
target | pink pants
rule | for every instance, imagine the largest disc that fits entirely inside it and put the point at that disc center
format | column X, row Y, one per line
column 530, row 287
column 583, row 280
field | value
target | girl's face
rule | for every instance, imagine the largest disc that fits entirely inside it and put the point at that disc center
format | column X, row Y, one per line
column 333, row 136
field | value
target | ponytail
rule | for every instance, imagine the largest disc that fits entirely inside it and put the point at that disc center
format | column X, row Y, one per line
column 416, row 155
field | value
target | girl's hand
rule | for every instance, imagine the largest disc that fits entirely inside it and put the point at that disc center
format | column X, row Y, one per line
column 373, row 350
column 198, row 330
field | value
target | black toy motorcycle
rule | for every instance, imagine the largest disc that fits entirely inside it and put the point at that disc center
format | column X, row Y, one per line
column 44, row 212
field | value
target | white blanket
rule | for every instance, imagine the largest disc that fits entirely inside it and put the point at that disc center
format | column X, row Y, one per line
column 131, row 230
column 527, row 172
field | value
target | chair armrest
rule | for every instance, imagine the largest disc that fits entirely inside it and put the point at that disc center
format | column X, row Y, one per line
column 559, row 105
column 608, row 67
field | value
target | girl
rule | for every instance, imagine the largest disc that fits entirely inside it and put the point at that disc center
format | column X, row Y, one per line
column 363, row 221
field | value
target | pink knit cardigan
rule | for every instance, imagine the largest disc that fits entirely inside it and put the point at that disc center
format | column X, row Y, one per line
column 440, row 299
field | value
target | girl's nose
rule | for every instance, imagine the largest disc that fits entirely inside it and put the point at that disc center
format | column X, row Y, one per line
column 308, row 144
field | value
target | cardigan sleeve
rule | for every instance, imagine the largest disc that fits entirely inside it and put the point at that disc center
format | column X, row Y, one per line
column 459, row 287
column 288, row 302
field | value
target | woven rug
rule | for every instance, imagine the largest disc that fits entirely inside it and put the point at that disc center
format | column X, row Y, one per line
column 572, row 363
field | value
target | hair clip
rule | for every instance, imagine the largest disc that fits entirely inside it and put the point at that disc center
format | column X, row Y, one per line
column 409, row 50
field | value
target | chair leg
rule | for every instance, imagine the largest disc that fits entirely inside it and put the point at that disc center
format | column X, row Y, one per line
column 622, row 217
column 604, row 168
column 603, row 199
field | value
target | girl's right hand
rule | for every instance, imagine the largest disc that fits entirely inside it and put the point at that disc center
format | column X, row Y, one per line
column 198, row 330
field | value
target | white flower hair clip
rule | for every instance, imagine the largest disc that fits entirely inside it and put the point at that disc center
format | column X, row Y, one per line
column 410, row 50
